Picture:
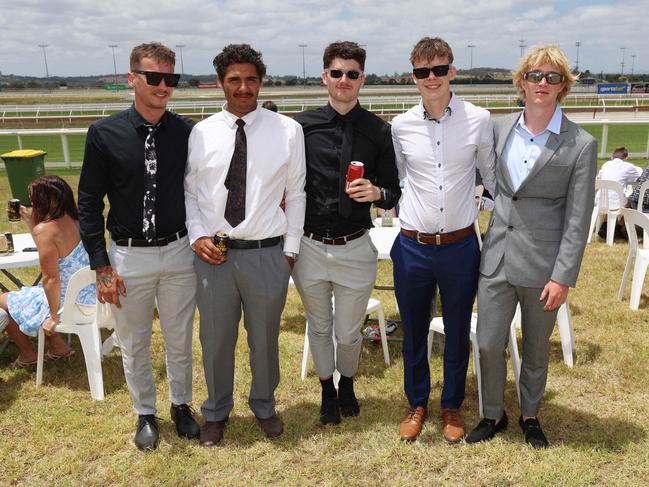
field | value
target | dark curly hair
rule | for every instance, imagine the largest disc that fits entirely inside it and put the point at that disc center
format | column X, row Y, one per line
column 51, row 198
column 344, row 50
column 238, row 54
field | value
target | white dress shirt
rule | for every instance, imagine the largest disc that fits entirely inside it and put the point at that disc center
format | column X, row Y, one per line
column 438, row 159
column 275, row 167
column 523, row 148
column 621, row 171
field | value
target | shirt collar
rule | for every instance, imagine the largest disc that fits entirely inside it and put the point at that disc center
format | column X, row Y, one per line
column 331, row 112
column 231, row 118
column 554, row 125
column 139, row 121
column 448, row 111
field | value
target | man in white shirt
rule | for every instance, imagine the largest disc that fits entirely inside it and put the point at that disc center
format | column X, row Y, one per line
column 618, row 169
column 438, row 143
column 241, row 163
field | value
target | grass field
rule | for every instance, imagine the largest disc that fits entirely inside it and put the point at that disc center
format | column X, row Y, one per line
column 595, row 415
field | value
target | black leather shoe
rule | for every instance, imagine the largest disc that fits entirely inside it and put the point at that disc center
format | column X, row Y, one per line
column 147, row 436
column 186, row 425
column 533, row 433
column 329, row 411
column 487, row 429
column 346, row 397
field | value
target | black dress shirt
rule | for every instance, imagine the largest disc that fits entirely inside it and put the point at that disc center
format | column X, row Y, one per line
column 113, row 165
column 372, row 145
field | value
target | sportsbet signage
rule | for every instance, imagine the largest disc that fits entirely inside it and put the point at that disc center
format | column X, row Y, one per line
column 612, row 88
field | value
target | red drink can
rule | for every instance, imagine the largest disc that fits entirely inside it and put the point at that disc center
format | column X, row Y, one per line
column 355, row 170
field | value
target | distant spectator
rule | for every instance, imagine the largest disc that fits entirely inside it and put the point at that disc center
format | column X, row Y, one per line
column 269, row 105
column 617, row 169
column 633, row 199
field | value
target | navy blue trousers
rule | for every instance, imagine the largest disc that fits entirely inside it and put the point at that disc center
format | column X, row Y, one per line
column 418, row 270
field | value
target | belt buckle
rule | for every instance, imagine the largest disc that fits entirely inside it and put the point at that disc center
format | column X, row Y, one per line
column 438, row 239
column 417, row 234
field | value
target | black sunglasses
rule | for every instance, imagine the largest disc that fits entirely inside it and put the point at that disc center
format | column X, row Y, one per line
column 338, row 73
column 423, row 73
column 536, row 77
column 153, row 78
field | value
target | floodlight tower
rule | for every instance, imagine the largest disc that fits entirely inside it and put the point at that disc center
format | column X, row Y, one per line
column 182, row 65
column 623, row 49
column 578, row 45
column 632, row 63
column 522, row 45
column 47, row 72
column 303, row 63
column 471, row 46
column 113, row 46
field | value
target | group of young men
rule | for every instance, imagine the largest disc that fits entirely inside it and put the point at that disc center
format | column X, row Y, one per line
column 277, row 187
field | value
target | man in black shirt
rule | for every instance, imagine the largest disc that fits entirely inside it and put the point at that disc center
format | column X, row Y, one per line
column 137, row 157
column 337, row 256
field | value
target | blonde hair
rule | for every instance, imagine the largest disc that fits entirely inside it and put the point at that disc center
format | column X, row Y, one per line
column 545, row 54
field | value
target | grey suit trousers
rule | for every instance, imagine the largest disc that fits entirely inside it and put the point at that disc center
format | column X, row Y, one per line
column 497, row 300
column 256, row 281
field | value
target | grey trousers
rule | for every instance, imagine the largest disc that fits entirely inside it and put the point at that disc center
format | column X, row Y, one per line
column 497, row 300
column 162, row 275
column 256, row 281
column 347, row 272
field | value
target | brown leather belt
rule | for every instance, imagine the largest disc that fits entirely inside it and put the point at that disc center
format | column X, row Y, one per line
column 439, row 238
column 337, row 240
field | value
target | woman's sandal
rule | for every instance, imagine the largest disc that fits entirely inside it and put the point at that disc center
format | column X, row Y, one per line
column 52, row 356
column 20, row 364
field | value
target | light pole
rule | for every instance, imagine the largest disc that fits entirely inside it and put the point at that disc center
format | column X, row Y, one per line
column 113, row 46
column 471, row 46
column 47, row 72
column 578, row 44
column 632, row 63
column 182, row 65
column 522, row 45
column 303, row 63
column 623, row 49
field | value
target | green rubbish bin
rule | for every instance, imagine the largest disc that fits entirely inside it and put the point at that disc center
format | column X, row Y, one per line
column 23, row 166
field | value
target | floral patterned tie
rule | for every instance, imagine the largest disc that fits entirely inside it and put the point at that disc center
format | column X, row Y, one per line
column 235, row 181
column 150, row 172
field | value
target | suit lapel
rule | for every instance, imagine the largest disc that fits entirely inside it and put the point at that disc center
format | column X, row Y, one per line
column 551, row 146
column 504, row 134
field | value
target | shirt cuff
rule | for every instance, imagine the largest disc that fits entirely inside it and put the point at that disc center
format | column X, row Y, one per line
column 292, row 244
column 100, row 259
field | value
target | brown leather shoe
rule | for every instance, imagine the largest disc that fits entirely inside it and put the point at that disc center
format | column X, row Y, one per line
column 453, row 429
column 272, row 427
column 410, row 427
column 212, row 433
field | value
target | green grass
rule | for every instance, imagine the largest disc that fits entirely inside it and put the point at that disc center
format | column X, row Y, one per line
column 595, row 415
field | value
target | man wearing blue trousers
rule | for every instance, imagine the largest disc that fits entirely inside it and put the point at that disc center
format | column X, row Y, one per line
column 438, row 144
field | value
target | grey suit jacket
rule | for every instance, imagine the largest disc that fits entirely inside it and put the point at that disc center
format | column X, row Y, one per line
column 540, row 230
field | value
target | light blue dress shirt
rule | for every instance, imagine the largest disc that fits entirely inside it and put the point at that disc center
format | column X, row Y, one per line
column 523, row 148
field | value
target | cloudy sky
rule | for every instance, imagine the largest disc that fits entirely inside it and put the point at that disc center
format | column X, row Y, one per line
column 78, row 33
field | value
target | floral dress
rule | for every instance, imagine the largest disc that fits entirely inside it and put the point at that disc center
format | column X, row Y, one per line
column 29, row 308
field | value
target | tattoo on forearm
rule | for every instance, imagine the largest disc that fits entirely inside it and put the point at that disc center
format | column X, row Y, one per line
column 105, row 279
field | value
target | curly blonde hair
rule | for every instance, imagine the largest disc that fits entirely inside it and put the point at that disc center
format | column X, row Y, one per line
column 545, row 54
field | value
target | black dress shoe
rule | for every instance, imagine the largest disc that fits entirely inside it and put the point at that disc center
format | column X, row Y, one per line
column 146, row 435
column 186, row 425
column 329, row 410
column 533, row 433
column 346, row 397
column 487, row 429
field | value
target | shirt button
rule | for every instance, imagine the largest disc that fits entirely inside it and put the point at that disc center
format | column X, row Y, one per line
column 439, row 165
column 441, row 209
column 525, row 162
column 441, row 230
column 440, row 186
column 515, row 198
column 510, row 227
column 438, row 142
column 531, row 140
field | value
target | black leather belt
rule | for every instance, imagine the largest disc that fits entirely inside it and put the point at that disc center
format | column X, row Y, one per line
column 253, row 244
column 157, row 242
column 337, row 240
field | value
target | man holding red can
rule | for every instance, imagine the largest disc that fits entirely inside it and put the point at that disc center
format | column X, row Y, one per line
column 439, row 143
column 337, row 257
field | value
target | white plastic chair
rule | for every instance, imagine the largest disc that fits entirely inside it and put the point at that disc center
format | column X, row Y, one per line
column 601, row 208
column 476, row 224
column 84, row 321
column 643, row 189
column 437, row 326
column 373, row 306
column 566, row 332
column 633, row 218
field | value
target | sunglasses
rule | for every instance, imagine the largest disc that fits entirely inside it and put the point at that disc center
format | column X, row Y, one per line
column 536, row 77
column 338, row 73
column 423, row 73
column 153, row 78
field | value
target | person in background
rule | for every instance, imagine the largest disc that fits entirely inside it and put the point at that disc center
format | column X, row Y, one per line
column 635, row 196
column 137, row 158
column 54, row 225
column 269, row 105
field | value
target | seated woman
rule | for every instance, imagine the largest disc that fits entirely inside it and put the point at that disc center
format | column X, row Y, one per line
column 54, row 225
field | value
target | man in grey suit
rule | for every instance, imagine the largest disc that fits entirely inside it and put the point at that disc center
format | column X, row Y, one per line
column 545, row 172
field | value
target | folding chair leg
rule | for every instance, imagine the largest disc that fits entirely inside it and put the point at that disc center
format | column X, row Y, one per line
column 41, row 357
column 89, row 338
column 639, row 272
column 593, row 224
column 384, row 338
column 478, row 373
column 625, row 275
column 611, row 223
column 305, row 352
column 564, row 321
column 515, row 359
